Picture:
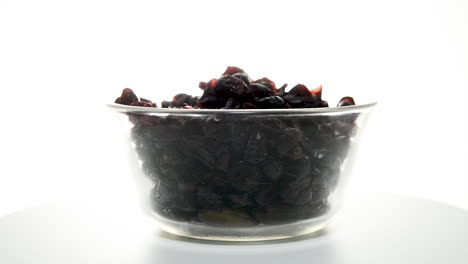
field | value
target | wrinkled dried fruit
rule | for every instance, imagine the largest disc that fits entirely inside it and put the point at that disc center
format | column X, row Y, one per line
column 128, row 97
column 180, row 100
column 144, row 104
column 346, row 101
column 301, row 97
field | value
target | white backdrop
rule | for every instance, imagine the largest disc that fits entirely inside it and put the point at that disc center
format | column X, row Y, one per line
column 61, row 61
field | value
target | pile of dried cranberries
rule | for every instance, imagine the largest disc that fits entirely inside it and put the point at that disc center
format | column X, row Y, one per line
column 236, row 90
column 241, row 170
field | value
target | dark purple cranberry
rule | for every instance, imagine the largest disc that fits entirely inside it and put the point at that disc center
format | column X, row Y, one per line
column 163, row 193
column 148, row 101
column 296, row 196
column 248, row 106
column 282, row 90
column 346, row 101
column 243, row 77
column 263, row 88
column 232, row 70
column 225, row 88
column 207, row 198
column 317, row 92
column 270, row 102
column 144, row 104
column 232, row 104
column 300, row 97
column 205, row 85
column 267, row 82
column 181, row 100
column 265, row 196
column 230, row 87
column 299, row 90
column 272, row 170
column 255, row 150
column 210, row 100
column 239, row 200
column 239, row 74
column 127, row 97
column 323, row 104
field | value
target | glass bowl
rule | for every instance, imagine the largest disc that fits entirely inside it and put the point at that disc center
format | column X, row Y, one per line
column 242, row 175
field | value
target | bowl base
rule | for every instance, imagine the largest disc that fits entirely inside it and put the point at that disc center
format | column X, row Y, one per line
column 242, row 234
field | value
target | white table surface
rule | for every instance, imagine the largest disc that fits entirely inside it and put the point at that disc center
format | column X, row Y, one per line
column 374, row 228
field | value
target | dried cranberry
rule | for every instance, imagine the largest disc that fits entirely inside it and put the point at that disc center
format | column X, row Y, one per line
column 232, row 104
column 207, row 198
column 248, row 106
column 128, row 97
column 243, row 77
column 239, row 200
column 323, row 104
column 205, row 85
column 239, row 74
column 232, row 70
column 231, row 87
column 263, row 88
column 317, row 92
column 144, row 104
column 270, row 102
column 282, row 90
column 148, row 101
column 210, row 100
column 216, row 93
column 180, row 100
column 346, row 101
column 268, row 83
column 300, row 97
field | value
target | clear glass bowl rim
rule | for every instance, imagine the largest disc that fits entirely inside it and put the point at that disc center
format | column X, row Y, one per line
column 324, row 110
